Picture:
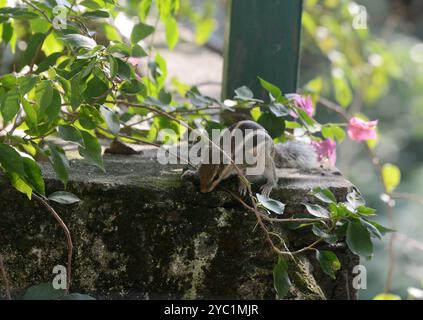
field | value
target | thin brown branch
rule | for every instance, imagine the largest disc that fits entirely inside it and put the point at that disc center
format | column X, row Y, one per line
column 287, row 220
column 65, row 229
column 328, row 104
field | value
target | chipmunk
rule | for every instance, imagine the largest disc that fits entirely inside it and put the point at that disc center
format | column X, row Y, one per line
column 257, row 144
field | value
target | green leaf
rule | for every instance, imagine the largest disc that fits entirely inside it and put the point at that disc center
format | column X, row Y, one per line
column 7, row 32
column 339, row 133
column 271, row 88
column 203, row 30
column 64, row 197
column 355, row 199
column 383, row 230
column 365, row 211
column 324, row 195
column 329, row 262
column 43, row 291
column 31, row 118
column 141, row 31
column 79, row 41
column 92, row 150
column 161, row 71
column 39, row 25
column 124, row 70
column 391, row 177
column 113, row 66
column 244, row 93
column 8, row 81
column 76, row 97
column 278, row 109
column 34, row 44
column 165, row 97
column 271, row 204
column 96, row 91
column 18, row 13
column 334, row 132
column 133, row 87
column 329, row 238
column 11, row 160
column 48, row 62
column 70, row 133
column 88, row 70
column 145, row 7
column 119, row 50
column 374, row 232
column 44, row 93
column 20, row 184
column 90, row 118
column 138, row 51
column 281, row 280
column 60, row 163
column 52, row 109
column 34, row 175
column 307, row 121
column 96, row 14
column 358, row 239
column 317, row 211
column 327, row 132
column 27, row 83
column 112, row 119
column 342, row 210
column 10, row 106
column 274, row 125
column 90, row 4
column 172, row 32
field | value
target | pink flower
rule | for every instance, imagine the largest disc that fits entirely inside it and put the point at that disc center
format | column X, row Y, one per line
column 359, row 130
column 325, row 149
column 134, row 61
column 303, row 102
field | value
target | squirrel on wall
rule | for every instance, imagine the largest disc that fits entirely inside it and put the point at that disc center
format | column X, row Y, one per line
column 256, row 144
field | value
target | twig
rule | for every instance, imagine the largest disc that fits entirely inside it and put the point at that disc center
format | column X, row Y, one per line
column 38, row 9
column 259, row 216
column 69, row 243
column 5, row 278
column 287, row 220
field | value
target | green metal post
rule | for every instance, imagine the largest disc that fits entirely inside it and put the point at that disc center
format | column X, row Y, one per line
column 262, row 40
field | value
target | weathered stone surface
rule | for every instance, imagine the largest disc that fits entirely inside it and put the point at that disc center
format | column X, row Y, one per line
column 143, row 233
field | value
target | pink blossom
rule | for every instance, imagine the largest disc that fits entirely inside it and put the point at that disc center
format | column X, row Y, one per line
column 325, row 149
column 303, row 102
column 134, row 61
column 359, row 130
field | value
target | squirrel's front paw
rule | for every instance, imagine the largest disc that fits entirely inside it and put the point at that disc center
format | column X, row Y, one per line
column 242, row 189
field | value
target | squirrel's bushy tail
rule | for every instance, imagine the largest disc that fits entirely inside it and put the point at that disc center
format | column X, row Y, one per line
column 294, row 154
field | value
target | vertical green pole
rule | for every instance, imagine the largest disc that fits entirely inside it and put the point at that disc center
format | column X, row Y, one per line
column 262, row 40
